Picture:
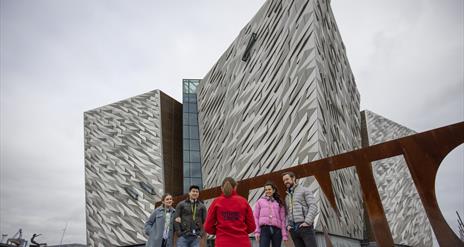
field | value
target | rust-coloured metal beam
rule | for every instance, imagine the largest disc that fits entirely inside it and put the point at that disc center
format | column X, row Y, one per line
column 423, row 153
column 424, row 176
column 323, row 178
column 374, row 206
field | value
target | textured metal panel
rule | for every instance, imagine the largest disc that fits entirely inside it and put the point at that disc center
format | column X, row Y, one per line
column 404, row 211
column 292, row 101
column 122, row 149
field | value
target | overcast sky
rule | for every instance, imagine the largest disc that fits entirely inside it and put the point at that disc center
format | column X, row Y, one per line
column 61, row 58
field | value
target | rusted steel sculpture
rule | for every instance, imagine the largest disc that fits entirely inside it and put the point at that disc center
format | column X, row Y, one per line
column 423, row 153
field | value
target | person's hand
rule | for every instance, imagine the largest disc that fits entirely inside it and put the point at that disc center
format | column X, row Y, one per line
column 178, row 220
column 257, row 238
column 304, row 224
column 289, row 228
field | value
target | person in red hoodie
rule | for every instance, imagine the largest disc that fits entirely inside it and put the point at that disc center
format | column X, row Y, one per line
column 230, row 217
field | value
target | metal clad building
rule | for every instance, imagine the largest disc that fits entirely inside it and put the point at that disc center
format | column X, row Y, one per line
column 283, row 94
column 132, row 156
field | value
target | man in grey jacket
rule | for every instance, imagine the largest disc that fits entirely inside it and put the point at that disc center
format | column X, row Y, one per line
column 301, row 211
column 190, row 217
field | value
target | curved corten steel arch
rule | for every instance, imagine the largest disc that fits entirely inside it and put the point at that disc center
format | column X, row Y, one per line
column 423, row 153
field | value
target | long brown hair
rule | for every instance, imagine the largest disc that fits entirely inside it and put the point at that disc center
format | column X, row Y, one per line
column 228, row 185
column 276, row 195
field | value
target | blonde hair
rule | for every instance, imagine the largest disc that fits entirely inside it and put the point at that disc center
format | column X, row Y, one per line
column 228, row 186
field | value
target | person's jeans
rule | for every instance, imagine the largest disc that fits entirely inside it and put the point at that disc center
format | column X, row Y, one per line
column 303, row 236
column 188, row 241
column 270, row 234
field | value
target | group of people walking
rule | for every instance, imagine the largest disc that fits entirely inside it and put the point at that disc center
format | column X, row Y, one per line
column 231, row 218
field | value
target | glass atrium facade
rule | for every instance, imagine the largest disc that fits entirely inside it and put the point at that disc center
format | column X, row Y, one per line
column 191, row 138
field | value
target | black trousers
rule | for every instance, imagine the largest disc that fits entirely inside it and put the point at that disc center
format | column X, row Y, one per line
column 163, row 243
column 303, row 236
column 270, row 234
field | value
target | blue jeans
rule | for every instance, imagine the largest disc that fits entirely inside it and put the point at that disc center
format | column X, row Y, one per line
column 270, row 234
column 188, row 241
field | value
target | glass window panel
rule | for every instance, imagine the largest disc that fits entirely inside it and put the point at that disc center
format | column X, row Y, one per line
column 192, row 108
column 186, row 131
column 195, row 170
column 193, row 132
column 194, row 122
column 185, row 107
column 192, row 98
column 186, row 98
column 185, row 86
column 186, row 156
column 185, row 118
column 194, row 144
column 195, row 156
column 195, row 173
column 192, row 87
column 132, row 192
column 148, row 188
column 186, row 184
column 197, row 181
column 186, row 144
column 186, row 170
column 193, row 119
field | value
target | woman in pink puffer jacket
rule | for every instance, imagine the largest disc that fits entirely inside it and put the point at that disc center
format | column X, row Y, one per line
column 269, row 216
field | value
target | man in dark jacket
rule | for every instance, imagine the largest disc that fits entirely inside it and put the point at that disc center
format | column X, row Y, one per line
column 190, row 217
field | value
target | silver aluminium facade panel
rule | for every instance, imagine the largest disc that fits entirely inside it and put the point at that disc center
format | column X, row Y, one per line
column 123, row 169
column 283, row 94
column 403, row 208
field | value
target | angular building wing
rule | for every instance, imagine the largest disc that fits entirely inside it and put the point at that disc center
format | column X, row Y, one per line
column 283, row 94
column 133, row 153
column 403, row 208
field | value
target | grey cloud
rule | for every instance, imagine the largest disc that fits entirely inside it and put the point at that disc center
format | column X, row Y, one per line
column 408, row 61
